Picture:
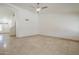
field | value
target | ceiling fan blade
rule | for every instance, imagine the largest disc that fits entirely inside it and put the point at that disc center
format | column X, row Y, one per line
column 44, row 7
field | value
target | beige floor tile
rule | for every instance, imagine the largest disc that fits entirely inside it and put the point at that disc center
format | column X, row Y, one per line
column 41, row 45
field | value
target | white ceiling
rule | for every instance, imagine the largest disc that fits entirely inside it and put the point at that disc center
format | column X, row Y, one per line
column 3, row 5
column 4, row 8
column 52, row 7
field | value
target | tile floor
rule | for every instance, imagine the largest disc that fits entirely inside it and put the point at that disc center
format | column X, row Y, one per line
column 38, row 45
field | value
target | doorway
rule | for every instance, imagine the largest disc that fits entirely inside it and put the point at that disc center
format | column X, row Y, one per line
column 7, row 25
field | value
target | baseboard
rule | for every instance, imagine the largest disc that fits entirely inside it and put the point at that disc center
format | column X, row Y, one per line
column 12, row 35
column 47, row 37
column 59, row 37
column 28, row 36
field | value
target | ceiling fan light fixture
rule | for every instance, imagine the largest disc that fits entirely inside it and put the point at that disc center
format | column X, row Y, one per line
column 38, row 9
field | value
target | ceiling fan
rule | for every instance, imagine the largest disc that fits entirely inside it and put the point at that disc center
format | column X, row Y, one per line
column 39, row 8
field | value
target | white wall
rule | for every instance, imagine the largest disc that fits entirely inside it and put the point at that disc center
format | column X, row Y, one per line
column 26, row 28
column 60, row 25
column 54, row 24
column 57, row 24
